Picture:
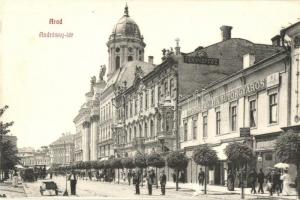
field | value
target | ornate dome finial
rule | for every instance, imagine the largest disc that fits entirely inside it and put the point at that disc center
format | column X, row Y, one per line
column 126, row 13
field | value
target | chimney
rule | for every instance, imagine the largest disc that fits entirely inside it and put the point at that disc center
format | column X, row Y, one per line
column 226, row 32
column 248, row 60
column 276, row 40
column 150, row 59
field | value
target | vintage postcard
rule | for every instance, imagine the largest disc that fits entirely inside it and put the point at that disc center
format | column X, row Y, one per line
column 145, row 99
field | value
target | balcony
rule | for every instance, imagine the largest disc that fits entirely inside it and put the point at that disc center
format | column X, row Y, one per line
column 150, row 140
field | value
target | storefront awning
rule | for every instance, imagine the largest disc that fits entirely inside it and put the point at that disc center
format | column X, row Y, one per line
column 220, row 151
column 105, row 158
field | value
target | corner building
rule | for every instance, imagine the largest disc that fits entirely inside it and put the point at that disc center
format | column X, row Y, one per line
column 126, row 51
column 252, row 106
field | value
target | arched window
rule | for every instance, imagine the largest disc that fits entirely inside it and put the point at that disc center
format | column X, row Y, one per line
column 117, row 62
column 130, row 58
column 146, row 130
column 151, row 128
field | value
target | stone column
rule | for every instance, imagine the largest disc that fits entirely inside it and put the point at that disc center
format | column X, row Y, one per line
column 94, row 136
column 85, row 141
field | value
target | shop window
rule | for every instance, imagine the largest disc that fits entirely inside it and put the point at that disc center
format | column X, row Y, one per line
column 166, row 88
column 273, row 108
column 218, row 122
column 252, row 113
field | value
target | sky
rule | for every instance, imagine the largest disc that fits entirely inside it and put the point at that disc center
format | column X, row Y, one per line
column 43, row 80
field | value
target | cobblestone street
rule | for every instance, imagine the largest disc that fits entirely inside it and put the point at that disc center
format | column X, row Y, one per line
column 11, row 192
column 87, row 188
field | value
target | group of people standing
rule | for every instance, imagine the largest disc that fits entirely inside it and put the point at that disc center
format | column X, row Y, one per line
column 137, row 178
column 276, row 180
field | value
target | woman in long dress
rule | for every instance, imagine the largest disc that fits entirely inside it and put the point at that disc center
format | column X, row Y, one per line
column 286, row 183
column 230, row 181
column 15, row 179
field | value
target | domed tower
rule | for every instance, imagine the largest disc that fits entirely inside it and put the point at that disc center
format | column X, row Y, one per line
column 125, row 43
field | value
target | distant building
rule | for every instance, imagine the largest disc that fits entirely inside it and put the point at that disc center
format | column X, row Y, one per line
column 30, row 158
column 62, row 150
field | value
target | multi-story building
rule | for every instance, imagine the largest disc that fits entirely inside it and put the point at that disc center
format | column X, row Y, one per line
column 30, row 158
column 147, row 104
column 253, row 105
column 87, row 121
column 126, row 51
column 62, row 150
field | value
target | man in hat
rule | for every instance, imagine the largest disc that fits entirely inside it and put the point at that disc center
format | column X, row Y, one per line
column 136, row 180
column 163, row 181
column 73, row 182
column 150, row 180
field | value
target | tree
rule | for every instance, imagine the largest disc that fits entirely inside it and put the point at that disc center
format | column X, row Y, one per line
column 206, row 156
column 155, row 160
column 140, row 161
column 127, row 163
column 116, row 164
column 177, row 161
column 239, row 154
column 100, row 165
column 4, row 129
column 288, row 148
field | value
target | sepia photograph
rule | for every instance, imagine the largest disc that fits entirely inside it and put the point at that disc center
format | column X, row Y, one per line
column 137, row 99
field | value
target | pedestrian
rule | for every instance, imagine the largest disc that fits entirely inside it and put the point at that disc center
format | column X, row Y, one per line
column 261, row 179
column 201, row 177
column 286, row 180
column 230, row 181
column 252, row 179
column 163, row 181
column 269, row 181
column 150, row 180
column 174, row 177
column 129, row 176
column 276, row 181
column 51, row 174
column 136, row 181
column 15, row 179
column 73, row 182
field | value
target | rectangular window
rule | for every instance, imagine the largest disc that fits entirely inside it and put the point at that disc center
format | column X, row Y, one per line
column 218, row 122
column 130, row 107
column 135, row 106
column 233, row 118
column 146, row 99
column 171, row 87
column 158, row 93
column 252, row 113
column 141, row 102
column 185, row 131
column 273, row 108
column 204, row 126
column 166, row 88
column 152, row 97
column 195, row 120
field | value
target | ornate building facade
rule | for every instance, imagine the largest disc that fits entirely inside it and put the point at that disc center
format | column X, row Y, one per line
column 126, row 51
column 253, row 105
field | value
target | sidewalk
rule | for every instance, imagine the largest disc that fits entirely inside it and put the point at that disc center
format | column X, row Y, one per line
column 10, row 191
